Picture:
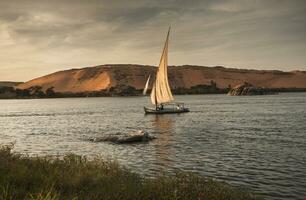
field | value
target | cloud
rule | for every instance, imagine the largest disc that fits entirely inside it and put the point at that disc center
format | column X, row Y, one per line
column 40, row 37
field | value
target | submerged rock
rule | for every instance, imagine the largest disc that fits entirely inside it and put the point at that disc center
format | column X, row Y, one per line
column 138, row 136
column 249, row 89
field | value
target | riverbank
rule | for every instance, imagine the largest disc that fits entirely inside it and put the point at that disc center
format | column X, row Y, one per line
column 119, row 91
column 75, row 177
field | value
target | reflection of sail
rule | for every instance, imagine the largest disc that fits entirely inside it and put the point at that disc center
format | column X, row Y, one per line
column 163, row 125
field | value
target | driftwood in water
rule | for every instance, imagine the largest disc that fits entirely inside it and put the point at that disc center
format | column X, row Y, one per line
column 139, row 136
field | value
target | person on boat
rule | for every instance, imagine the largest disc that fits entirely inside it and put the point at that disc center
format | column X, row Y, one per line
column 160, row 107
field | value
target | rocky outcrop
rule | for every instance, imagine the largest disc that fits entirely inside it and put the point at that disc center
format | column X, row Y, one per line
column 249, row 89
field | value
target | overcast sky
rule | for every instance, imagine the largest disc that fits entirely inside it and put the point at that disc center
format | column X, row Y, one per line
column 38, row 37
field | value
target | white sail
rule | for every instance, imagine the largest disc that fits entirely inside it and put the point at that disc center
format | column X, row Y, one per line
column 161, row 92
column 146, row 86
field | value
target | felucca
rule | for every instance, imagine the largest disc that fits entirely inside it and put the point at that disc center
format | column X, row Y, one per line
column 161, row 95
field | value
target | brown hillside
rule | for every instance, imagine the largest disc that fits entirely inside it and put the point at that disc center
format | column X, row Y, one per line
column 106, row 76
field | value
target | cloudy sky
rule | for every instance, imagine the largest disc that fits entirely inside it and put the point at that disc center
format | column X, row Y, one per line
column 38, row 37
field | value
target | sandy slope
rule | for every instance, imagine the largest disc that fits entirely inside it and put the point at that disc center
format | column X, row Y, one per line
column 74, row 80
column 106, row 76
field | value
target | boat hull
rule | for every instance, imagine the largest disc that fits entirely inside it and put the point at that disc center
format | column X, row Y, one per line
column 165, row 111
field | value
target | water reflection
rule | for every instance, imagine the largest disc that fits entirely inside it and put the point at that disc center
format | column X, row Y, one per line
column 163, row 126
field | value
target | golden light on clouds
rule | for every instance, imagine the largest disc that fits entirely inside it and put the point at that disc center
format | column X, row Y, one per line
column 40, row 37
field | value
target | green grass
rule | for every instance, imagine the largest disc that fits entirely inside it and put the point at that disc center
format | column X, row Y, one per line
column 75, row 177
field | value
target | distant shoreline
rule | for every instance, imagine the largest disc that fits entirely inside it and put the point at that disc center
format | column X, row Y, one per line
column 129, row 80
column 128, row 91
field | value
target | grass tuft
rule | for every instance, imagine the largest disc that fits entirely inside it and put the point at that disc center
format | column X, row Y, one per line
column 76, row 177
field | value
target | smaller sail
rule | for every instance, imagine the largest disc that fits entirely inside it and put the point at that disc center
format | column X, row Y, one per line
column 146, row 86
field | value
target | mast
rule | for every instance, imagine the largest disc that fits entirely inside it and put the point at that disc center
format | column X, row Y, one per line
column 161, row 92
column 155, row 97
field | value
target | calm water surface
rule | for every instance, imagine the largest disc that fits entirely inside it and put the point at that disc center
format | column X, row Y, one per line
column 257, row 142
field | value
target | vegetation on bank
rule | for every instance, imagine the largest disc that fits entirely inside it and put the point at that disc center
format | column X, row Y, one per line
column 7, row 92
column 75, row 177
column 118, row 90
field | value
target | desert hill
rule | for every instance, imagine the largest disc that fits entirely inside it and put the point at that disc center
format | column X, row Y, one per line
column 8, row 83
column 104, row 77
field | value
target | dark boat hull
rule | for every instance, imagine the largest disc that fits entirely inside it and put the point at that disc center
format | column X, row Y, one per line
column 165, row 111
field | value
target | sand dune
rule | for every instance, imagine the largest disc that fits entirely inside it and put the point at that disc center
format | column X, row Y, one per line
column 106, row 76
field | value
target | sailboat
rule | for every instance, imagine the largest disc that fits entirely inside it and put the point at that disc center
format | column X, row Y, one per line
column 161, row 95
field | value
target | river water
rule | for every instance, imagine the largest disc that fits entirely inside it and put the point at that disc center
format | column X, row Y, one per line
column 258, row 142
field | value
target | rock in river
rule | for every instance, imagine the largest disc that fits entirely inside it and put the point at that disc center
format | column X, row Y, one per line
column 138, row 136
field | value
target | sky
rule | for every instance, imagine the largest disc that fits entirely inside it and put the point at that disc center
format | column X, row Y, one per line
column 38, row 37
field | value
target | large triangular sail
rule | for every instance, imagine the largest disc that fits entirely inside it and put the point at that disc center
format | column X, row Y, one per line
column 146, row 86
column 161, row 92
